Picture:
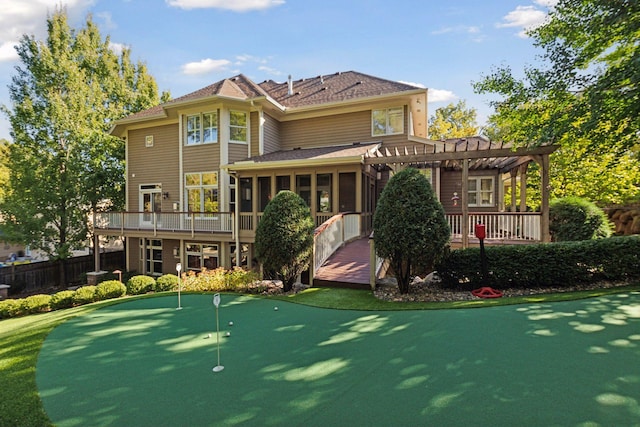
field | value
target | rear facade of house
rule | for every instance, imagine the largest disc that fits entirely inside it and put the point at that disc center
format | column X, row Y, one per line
column 202, row 168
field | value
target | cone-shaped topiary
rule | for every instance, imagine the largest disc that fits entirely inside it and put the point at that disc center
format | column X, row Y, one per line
column 410, row 227
column 284, row 238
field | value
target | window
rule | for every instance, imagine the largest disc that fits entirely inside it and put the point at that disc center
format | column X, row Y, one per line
column 481, row 191
column 201, row 256
column 283, row 182
column 323, row 192
column 202, row 128
column 151, row 252
column 387, row 121
column 202, row 191
column 237, row 126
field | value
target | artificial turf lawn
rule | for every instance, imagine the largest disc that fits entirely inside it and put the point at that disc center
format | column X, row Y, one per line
column 143, row 363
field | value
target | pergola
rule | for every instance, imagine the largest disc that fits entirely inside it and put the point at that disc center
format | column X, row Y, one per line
column 473, row 154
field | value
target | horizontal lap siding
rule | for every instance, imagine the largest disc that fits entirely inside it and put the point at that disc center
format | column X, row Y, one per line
column 202, row 158
column 452, row 182
column 271, row 134
column 340, row 129
column 153, row 165
column 254, row 130
column 237, row 152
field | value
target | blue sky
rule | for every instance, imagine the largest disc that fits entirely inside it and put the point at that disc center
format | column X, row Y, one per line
column 189, row 44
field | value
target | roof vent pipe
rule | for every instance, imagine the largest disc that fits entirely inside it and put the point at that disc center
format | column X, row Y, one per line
column 290, row 91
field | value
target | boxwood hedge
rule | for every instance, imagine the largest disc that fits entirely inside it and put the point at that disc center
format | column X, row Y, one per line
column 545, row 264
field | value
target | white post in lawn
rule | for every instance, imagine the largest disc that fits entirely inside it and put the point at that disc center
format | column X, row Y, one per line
column 216, row 302
column 178, row 269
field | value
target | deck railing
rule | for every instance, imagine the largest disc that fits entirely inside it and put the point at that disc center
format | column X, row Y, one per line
column 500, row 225
column 193, row 222
column 332, row 234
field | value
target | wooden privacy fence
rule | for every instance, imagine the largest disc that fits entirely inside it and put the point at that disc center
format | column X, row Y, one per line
column 38, row 276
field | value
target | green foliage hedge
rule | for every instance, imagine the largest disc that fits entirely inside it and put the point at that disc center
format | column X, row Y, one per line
column 168, row 282
column 84, row 295
column 36, row 304
column 110, row 289
column 574, row 218
column 140, row 285
column 218, row 280
column 62, row 299
column 10, row 308
column 542, row 265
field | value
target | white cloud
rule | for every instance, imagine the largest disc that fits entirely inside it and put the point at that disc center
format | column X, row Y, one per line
column 525, row 17
column 440, row 95
column 420, row 85
column 234, row 5
column 269, row 70
column 117, row 48
column 21, row 17
column 206, row 66
column 8, row 51
column 457, row 29
column 546, row 3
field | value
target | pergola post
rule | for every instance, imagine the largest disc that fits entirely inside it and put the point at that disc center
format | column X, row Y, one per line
column 544, row 204
column 523, row 187
column 464, row 198
column 514, row 175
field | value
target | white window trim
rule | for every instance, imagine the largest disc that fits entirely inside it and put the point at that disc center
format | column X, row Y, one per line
column 201, row 130
column 386, row 132
column 200, row 187
column 245, row 127
column 478, row 179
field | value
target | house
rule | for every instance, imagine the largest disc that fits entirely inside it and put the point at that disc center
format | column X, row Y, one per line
column 202, row 167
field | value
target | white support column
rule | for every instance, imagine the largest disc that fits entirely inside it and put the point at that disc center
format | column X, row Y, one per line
column 464, row 198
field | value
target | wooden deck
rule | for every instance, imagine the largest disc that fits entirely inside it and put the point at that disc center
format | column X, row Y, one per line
column 347, row 267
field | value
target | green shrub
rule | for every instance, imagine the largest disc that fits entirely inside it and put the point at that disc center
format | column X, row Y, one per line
column 574, row 218
column 218, row 280
column 36, row 304
column 284, row 238
column 140, row 285
column 10, row 308
column 168, row 282
column 411, row 229
column 544, row 265
column 84, row 295
column 110, row 289
column 62, row 299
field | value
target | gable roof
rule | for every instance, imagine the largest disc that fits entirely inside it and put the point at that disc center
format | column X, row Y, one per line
column 341, row 86
column 316, row 91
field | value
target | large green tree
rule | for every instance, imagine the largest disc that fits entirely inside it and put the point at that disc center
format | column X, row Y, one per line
column 411, row 229
column 284, row 238
column 65, row 95
column 453, row 121
column 584, row 97
column 4, row 170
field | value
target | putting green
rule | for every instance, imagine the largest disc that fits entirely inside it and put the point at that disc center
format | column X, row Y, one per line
column 144, row 363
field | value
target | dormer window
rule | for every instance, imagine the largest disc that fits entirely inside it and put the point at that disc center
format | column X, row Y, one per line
column 202, row 128
column 387, row 121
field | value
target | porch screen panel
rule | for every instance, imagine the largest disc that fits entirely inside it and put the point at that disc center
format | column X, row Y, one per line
column 347, row 192
column 323, row 193
column 264, row 192
column 283, row 183
column 245, row 195
column 303, row 188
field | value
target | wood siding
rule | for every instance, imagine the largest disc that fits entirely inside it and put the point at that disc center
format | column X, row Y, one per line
column 271, row 134
column 202, row 158
column 237, row 152
column 254, row 131
column 340, row 129
column 452, row 182
column 153, row 165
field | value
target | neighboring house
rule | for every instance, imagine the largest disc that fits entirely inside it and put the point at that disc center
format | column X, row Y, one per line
column 202, row 167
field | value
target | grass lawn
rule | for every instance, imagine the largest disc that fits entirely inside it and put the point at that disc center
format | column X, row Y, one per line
column 22, row 338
